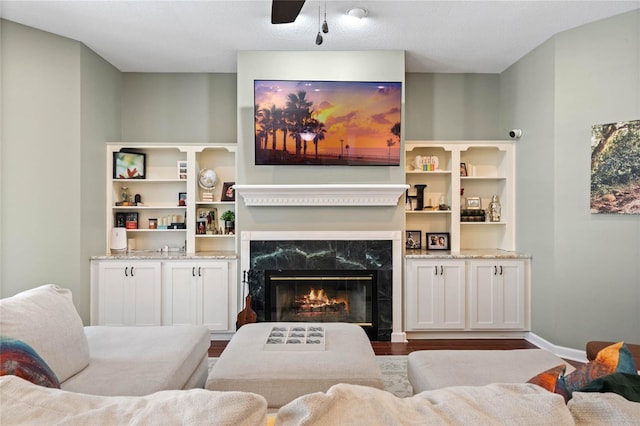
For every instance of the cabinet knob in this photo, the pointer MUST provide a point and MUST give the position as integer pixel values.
(126, 271)
(435, 270)
(495, 270)
(199, 271)
(132, 271)
(193, 271)
(500, 269)
(441, 270)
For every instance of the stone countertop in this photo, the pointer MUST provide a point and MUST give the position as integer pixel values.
(158, 255)
(465, 254)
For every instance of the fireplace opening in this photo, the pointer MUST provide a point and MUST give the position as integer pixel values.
(322, 296)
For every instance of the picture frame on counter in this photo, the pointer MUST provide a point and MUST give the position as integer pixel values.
(438, 241)
(413, 240)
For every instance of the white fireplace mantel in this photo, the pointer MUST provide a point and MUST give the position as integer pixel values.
(322, 194)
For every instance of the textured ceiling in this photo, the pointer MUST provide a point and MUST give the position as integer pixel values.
(472, 36)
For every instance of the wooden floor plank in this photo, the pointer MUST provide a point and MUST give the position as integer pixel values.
(389, 348)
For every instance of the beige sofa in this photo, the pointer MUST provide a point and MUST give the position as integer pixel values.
(343, 404)
(101, 360)
(122, 375)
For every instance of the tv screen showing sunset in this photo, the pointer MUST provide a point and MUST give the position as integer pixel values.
(327, 122)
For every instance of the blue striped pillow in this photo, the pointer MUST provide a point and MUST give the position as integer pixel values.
(19, 359)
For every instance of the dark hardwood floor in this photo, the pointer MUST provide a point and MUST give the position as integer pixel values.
(388, 348)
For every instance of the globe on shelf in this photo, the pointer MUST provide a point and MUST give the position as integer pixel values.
(207, 179)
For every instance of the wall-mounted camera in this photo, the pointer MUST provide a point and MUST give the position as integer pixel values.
(515, 133)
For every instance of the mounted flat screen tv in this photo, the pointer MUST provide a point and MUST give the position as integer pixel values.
(354, 123)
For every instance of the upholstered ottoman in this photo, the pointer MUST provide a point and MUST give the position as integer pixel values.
(435, 369)
(283, 375)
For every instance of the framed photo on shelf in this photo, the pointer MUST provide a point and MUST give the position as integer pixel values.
(132, 220)
(463, 169)
(182, 198)
(413, 240)
(182, 169)
(228, 193)
(129, 165)
(121, 220)
(473, 203)
(438, 241)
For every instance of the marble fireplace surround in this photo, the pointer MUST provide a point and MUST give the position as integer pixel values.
(342, 248)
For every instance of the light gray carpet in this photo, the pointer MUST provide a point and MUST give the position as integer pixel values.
(394, 374)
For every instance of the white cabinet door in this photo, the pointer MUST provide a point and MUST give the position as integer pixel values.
(112, 286)
(179, 293)
(128, 293)
(435, 294)
(198, 293)
(213, 305)
(497, 294)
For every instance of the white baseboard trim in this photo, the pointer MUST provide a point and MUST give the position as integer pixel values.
(561, 351)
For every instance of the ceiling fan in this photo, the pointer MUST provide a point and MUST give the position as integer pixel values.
(285, 11)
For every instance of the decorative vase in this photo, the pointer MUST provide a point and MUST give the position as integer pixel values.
(124, 194)
(495, 209)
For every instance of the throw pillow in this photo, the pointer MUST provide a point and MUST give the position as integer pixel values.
(551, 381)
(46, 319)
(19, 359)
(612, 359)
(624, 384)
(615, 358)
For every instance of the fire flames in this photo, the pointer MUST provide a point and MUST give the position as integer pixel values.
(320, 300)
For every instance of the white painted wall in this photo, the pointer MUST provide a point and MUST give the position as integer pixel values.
(326, 65)
(51, 122)
(586, 275)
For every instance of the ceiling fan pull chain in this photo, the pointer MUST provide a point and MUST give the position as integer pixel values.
(325, 25)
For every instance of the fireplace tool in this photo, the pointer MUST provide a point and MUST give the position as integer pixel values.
(247, 315)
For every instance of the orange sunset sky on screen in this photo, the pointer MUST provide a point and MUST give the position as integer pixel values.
(361, 114)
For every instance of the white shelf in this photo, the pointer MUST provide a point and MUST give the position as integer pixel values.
(483, 223)
(131, 181)
(152, 207)
(427, 211)
(162, 187)
(491, 165)
(217, 203)
(483, 178)
(155, 230)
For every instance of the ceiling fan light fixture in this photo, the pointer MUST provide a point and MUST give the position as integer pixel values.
(357, 12)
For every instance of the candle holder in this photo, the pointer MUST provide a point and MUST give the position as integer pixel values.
(420, 196)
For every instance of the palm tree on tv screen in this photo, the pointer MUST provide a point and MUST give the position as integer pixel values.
(298, 109)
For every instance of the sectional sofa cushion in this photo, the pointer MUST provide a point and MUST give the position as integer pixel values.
(497, 403)
(133, 357)
(441, 368)
(46, 319)
(25, 403)
(19, 359)
(603, 409)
